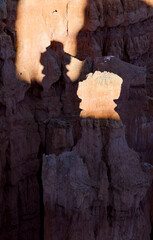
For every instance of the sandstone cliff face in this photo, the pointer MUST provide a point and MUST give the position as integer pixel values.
(91, 178)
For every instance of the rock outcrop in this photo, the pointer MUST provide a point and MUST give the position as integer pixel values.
(98, 190)
(104, 166)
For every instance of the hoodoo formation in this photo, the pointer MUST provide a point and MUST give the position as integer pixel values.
(76, 120)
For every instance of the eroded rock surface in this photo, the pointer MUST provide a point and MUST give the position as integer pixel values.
(98, 190)
(58, 43)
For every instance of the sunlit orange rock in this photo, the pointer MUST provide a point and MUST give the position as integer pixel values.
(149, 2)
(99, 188)
(74, 68)
(97, 93)
(38, 23)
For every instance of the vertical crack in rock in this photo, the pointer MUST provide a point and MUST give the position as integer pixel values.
(122, 3)
(67, 17)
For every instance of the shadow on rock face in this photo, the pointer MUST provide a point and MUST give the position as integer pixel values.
(94, 186)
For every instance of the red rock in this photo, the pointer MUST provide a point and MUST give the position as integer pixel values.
(108, 194)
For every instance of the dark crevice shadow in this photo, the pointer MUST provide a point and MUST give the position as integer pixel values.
(36, 90)
(62, 87)
(151, 235)
(56, 50)
(39, 177)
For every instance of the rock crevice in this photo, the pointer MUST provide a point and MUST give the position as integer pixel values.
(96, 173)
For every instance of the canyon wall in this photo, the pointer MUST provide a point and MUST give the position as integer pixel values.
(63, 176)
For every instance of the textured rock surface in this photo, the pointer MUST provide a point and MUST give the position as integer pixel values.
(98, 190)
(97, 94)
(40, 112)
